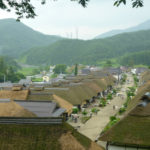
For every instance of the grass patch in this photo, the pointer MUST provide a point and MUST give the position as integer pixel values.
(27, 71)
(37, 79)
(113, 121)
(84, 119)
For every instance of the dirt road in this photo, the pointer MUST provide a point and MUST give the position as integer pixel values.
(93, 127)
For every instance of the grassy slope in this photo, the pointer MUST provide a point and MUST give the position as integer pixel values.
(89, 52)
(36, 137)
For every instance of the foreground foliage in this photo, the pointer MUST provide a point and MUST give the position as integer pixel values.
(8, 70)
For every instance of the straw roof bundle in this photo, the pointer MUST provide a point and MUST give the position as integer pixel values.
(11, 109)
(16, 88)
(20, 95)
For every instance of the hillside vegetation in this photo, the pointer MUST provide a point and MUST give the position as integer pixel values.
(17, 38)
(136, 58)
(89, 52)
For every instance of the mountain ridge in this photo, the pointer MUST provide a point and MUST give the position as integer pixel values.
(142, 26)
(70, 52)
(18, 38)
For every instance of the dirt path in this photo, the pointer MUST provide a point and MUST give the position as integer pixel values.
(93, 127)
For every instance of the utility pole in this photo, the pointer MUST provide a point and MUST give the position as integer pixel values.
(4, 78)
(77, 33)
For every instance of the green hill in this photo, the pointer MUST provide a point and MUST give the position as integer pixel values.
(89, 52)
(16, 38)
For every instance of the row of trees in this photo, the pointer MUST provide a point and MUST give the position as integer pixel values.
(61, 68)
(8, 70)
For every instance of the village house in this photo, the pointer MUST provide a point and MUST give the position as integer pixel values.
(133, 131)
(42, 108)
(139, 70)
(45, 78)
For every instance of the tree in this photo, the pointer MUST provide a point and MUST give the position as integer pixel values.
(24, 8)
(35, 71)
(60, 68)
(108, 63)
(8, 70)
(76, 70)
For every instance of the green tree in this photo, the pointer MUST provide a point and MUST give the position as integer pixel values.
(76, 70)
(35, 71)
(24, 8)
(2, 65)
(8, 70)
(60, 68)
(109, 63)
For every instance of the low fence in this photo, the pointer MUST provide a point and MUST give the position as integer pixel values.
(36, 121)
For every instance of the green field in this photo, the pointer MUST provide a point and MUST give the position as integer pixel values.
(27, 71)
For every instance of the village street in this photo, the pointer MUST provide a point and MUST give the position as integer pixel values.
(93, 127)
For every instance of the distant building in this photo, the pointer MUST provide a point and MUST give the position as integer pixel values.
(86, 71)
(46, 78)
(138, 71)
(25, 81)
(114, 71)
(61, 76)
(6, 85)
(51, 69)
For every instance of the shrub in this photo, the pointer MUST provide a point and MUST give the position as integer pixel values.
(114, 91)
(112, 118)
(94, 110)
(103, 103)
(84, 113)
(75, 110)
(122, 110)
(109, 96)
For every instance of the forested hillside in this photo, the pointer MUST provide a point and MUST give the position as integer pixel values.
(136, 58)
(89, 52)
(16, 38)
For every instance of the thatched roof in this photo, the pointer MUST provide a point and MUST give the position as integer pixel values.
(77, 93)
(134, 129)
(16, 88)
(63, 104)
(40, 95)
(21, 95)
(11, 109)
(145, 76)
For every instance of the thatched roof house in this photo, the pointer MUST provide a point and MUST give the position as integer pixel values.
(133, 131)
(41, 108)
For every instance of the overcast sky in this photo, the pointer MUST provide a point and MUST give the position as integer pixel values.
(66, 17)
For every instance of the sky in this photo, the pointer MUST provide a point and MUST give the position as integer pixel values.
(69, 19)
